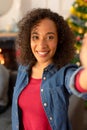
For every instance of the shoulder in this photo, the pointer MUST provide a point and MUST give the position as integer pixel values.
(68, 67)
(66, 70)
(23, 68)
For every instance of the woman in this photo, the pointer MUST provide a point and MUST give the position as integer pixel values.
(44, 83)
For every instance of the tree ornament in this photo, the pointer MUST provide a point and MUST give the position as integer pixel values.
(78, 38)
(80, 31)
(76, 5)
(78, 63)
(77, 51)
(85, 0)
(86, 24)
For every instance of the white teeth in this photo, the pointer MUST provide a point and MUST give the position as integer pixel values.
(42, 53)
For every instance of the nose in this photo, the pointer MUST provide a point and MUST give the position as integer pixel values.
(43, 43)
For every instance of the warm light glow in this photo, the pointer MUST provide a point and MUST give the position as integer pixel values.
(0, 50)
(2, 60)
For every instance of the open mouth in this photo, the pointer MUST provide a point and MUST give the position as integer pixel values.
(42, 53)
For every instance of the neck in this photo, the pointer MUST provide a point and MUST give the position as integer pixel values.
(41, 66)
(37, 70)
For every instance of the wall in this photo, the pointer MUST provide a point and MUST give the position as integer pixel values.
(60, 6)
(11, 17)
(20, 7)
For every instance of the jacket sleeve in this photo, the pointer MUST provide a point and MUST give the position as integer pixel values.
(73, 88)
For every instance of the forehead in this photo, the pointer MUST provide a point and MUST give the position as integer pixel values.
(44, 24)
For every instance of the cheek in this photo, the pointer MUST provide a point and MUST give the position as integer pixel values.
(55, 44)
(32, 46)
(54, 47)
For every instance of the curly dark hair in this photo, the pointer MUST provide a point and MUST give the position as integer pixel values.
(65, 49)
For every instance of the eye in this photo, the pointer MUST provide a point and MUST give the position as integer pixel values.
(50, 37)
(35, 37)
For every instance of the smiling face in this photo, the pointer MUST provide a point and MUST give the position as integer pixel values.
(44, 41)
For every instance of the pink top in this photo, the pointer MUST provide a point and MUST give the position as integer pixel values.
(34, 117)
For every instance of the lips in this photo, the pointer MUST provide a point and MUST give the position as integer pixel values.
(42, 53)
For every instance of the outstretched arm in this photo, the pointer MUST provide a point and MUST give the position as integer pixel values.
(83, 59)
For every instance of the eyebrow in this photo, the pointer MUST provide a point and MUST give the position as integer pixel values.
(34, 32)
(51, 33)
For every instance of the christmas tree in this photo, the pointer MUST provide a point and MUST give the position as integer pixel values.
(78, 23)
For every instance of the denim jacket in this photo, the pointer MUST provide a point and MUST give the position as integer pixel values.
(56, 87)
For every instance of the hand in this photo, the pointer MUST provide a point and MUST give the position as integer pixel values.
(83, 52)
